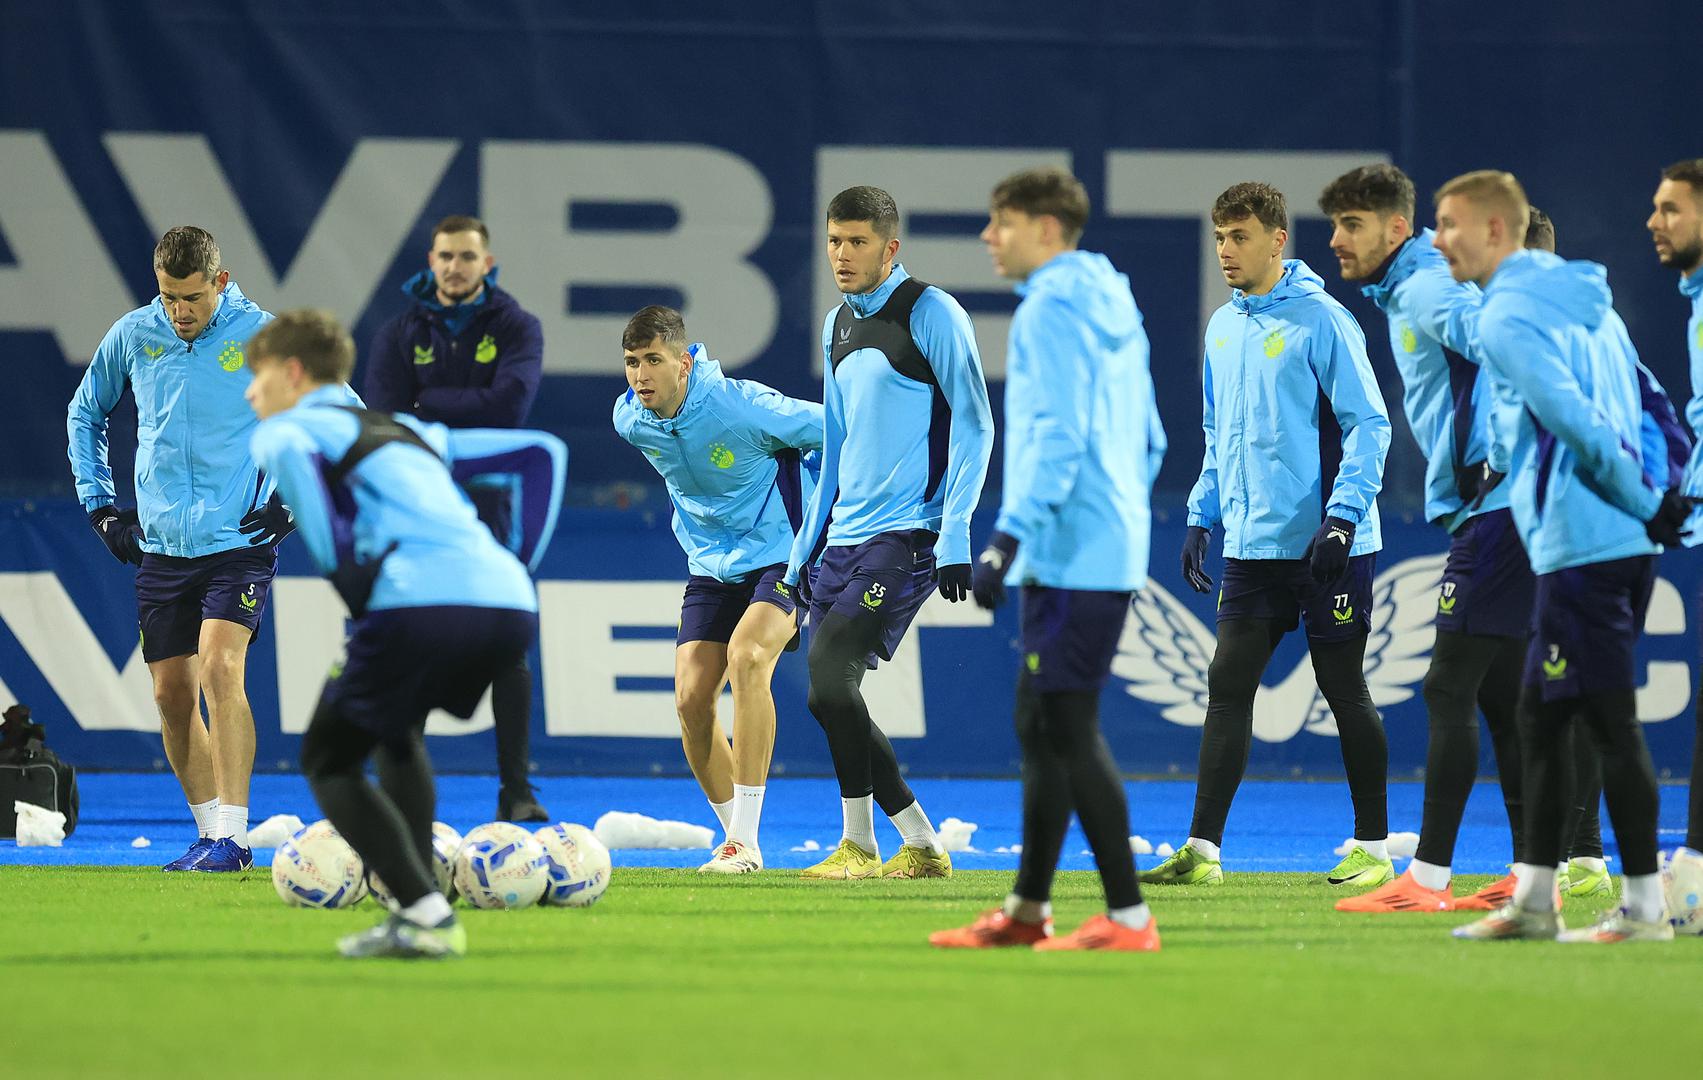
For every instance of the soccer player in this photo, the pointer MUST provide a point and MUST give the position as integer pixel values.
(440, 608)
(1083, 443)
(1484, 605)
(1296, 435)
(1676, 227)
(729, 450)
(1591, 521)
(204, 534)
(466, 354)
(907, 435)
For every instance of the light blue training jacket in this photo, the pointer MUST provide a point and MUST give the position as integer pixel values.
(444, 556)
(1548, 332)
(1432, 321)
(194, 477)
(1083, 441)
(1296, 429)
(731, 458)
(1691, 285)
(878, 428)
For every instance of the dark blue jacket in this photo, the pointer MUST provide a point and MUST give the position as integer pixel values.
(485, 375)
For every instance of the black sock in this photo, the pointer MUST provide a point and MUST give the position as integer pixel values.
(511, 707)
(1582, 835)
(405, 776)
(1499, 700)
(334, 752)
(1694, 826)
(1628, 777)
(1063, 735)
(1340, 669)
(1546, 733)
(1453, 684)
(864, 760)
(1244, 648)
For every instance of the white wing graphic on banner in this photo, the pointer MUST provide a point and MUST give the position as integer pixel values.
(1165, 650)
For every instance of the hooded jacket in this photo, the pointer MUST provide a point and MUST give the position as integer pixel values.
(1083, 441)
(731, 458)
(1432, 321)
(1549, 332)
(194, 477)
(1296, 428)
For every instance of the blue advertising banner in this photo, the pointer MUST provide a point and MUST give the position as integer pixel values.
(609, 591)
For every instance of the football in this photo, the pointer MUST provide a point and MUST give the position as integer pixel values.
(1682, 885)
(317, 868)
(501, 866)
(578, 865)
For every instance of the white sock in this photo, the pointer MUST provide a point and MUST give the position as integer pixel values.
(747, 813)
(1586, 862)
(1028, 911)
(1430, 875)
(1206, 848)
(1641, 894)
(428, 911)
(1534, 887)
(859, 828)
(1378, 849)
(724, 814)
(1136, 918)
(206, 816)
(915, 828)
(233, 823)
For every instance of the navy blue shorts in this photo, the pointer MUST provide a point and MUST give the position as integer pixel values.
(174, 595)
(401, 663)
(886, 577)
(1283, 590)
(1488, 585)
(1585, 628)
(1070, 636)
(712, 609)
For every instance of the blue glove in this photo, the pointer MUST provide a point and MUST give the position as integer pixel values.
(354, 580)
(1328, 549)
(267, 523)
(988, 580)
(120, 531)
(1194, 559)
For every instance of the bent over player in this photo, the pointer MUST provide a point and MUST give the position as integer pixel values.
(729, 450)
(440, 608)
(907, 436)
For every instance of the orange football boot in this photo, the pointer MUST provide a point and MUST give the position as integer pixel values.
(994, 929)
(1401, 895)
(1102, 934)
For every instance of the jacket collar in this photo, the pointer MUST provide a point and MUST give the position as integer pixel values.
(866, 304)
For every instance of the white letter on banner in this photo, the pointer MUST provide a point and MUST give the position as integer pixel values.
(724, 209)
(925, 180)
(54, 244)
(310, 620)
(36, 608)
(1184, 183)
(1666, 692)
(370, 210)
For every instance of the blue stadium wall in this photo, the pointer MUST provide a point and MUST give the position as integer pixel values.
(664, 153)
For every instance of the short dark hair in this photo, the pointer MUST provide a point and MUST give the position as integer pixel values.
(650, 323)
(865, 203)
(1540, 231)
(1254, 200)
(462, 223)
(311, 335)
(1689, 171)
(1046, 190)
(1382, 188)
(185, 251)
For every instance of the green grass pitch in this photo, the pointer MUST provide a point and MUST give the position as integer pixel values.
(129, 972)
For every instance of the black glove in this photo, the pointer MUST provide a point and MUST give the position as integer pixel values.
(954, 581)
(1194, 559)
(1468, 480)
(120, 531)
(1328, 549)
(1667, 528)
(268, 523)
(1488, 483)
(987, 581)
(354, 580)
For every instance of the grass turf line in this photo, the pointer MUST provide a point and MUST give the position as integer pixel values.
(127, 971)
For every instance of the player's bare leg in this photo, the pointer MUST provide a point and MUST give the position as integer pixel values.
(753, 651)
(177, 697)
(700, 671)
(230, 725)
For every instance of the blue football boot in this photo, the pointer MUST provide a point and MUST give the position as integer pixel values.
(189, 858)
(224, 857)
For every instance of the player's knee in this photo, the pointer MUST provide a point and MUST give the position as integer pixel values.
(1227, 678)
(696, 708)
(222, 678)
(748, 664)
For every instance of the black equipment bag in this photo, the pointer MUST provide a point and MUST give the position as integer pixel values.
(30, 772)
